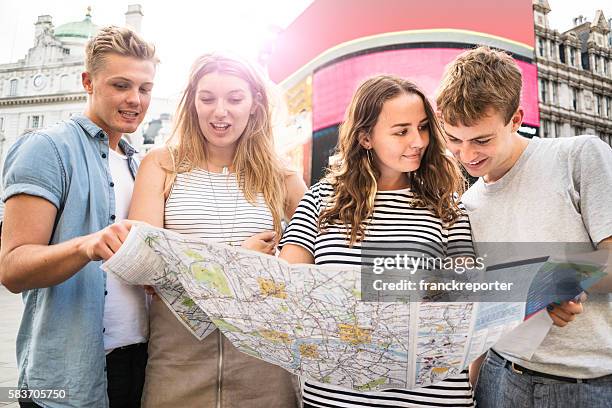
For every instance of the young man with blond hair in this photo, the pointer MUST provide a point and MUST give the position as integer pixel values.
(538, 190)
(67, 190)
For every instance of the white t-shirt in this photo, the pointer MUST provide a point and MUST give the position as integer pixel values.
(559, 190)
(125, 307)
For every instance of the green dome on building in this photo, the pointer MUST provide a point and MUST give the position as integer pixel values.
(78, 29)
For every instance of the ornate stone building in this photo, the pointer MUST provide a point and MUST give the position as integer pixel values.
(45, 87)
(575, 76)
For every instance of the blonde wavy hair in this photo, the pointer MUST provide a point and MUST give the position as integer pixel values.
(353, 175)
(257, 166)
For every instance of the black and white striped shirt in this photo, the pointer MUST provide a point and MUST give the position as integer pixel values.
(395, 220)
(212, 206)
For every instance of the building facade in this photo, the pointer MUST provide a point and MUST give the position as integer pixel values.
(45, 86)
(574, 76)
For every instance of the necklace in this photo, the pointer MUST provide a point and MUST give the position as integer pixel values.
(224, 168)
(226, 237)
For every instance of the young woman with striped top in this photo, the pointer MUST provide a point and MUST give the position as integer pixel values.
(218, 179)
(391, 181)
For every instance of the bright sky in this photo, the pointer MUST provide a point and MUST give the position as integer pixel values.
(563, 11)
(180, 29)
(183, 29)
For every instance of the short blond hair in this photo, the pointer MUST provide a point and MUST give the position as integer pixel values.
(116, 40)
(475, 82)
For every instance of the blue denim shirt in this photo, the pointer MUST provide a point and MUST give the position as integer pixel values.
(60, 340)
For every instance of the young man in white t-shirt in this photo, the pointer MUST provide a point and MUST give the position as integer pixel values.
(538, 190)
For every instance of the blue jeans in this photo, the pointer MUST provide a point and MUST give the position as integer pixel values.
(499, 386)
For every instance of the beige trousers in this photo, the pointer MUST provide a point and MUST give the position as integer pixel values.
(184, 372)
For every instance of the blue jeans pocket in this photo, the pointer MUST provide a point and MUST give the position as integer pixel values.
(487, 385)
(494, 360)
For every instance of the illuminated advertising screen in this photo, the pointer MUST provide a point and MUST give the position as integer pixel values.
(334, 85)
(339, 43)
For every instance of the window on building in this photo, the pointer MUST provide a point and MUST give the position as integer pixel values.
(557, 129)
(545, 128)
(35, 121)
(555, 95)
(578, 130)
(598, 104)
(605, 66)
(553, 51)
(608, 107)
(544, 90)
(64, 82)
(13, 87)
(572, 58)
(561, 52)
(574, 98)
(540, 47)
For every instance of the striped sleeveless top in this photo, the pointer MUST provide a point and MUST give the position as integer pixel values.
(212, 206)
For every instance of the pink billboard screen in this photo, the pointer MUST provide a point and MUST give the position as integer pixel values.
(328, 23)
(334, 85)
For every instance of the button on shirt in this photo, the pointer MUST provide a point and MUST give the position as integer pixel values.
(60, 340)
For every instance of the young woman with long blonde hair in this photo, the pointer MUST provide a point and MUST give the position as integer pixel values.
(391, 182)
(220, 179)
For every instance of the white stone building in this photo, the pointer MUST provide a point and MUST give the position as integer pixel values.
(575, 76)
(45, 86)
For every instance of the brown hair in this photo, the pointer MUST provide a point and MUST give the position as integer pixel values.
(353, 176)
(476, 81)
(258, 168)
(116, 40)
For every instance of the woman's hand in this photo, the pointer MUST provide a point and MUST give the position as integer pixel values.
(149, 290)
(263, 242)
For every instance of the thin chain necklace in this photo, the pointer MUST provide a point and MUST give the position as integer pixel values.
(227, 238)
(224, 169)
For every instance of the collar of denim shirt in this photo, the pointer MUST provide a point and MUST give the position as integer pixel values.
(96, 131)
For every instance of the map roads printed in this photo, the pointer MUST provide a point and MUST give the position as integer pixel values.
(310, 319)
